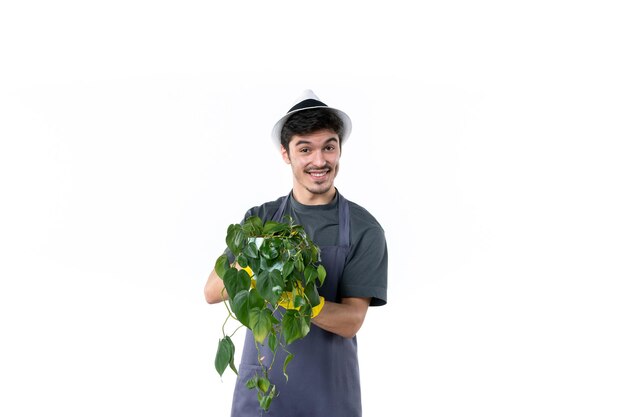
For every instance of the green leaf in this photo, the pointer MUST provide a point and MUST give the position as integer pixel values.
(254, 264)
(235, 281)
(263, 384)
(221, 265)
(252, 382)
(272, 342)
(225, 355)
(311, 293)
(270, 285)
(295, 326)
(321, 274)
(253, 226)
(251, 250)
(260, 323)
(242, 260)
(299, 263)
(288, 245)
(298, 301)
(268, 264)
(285, 363)
(269, 249)
(288, 268)
(244, 279)
(290, 282)
(235, 238)
(270, 227)
(245, 301)
(310, 274)
(306, 310)
(265, 401)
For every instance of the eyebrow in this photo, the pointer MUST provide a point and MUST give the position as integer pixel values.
(306, 142)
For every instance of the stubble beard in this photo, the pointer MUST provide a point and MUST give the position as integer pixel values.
(323, 189)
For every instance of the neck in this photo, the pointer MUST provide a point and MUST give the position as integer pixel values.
(310, 199)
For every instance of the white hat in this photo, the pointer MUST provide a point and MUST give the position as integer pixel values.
(309, 100)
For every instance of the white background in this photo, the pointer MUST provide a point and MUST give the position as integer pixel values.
(488, 141)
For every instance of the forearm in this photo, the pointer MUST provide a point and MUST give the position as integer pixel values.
(345, 318)
(214, 291)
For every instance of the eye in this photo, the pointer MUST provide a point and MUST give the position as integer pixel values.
(330, 148)
(304, 150)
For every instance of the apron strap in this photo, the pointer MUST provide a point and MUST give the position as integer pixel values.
(278, 216)
(344, 222)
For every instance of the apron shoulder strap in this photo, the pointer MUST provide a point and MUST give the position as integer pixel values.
(278, 216)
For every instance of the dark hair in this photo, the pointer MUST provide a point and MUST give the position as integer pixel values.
(309, 121)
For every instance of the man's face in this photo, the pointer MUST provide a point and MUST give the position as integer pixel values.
(314, 160)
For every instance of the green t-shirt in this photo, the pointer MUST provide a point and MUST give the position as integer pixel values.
(365, 271)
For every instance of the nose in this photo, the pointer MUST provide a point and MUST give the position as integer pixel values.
(318, 159)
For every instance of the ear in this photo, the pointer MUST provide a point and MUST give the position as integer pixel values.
(285, 154)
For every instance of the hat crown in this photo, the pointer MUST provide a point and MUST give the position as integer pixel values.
(307, 99)
(306, 95)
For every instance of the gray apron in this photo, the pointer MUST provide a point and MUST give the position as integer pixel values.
(324, 373)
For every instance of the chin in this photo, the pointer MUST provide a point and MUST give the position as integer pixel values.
(320, 189)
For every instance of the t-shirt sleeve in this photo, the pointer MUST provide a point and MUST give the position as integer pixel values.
(365, 272)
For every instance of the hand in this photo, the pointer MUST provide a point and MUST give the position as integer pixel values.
(252, 278)
(288, 301)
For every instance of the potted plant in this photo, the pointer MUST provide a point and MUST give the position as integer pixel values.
(272, 290)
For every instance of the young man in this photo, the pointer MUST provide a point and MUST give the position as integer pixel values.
(324, 374)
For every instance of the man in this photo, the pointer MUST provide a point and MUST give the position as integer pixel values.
(324, 374)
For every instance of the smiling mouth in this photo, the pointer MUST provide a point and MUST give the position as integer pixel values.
(318, 174)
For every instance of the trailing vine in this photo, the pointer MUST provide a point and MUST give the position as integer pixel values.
(272, 290)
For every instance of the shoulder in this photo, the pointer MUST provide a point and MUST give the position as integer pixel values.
(361, 218)
(265, 210)
(365, 230)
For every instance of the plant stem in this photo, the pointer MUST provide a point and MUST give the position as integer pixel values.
(230, 314)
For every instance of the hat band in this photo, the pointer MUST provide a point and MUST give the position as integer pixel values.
(309, 102)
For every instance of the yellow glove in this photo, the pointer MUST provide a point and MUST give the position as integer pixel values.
(252, 278)
(287, 301)
(287, 297)
(318, 308)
